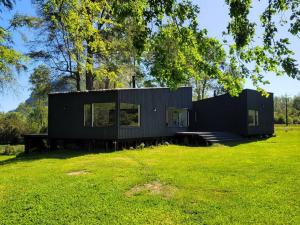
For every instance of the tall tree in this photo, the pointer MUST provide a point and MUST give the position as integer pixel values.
(40, 80)
(274, 54)
(213, 53)
(10, 59)
(98, 40)
(296, 103)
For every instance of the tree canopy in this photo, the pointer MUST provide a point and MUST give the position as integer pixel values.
(10, 59)
(101, 44)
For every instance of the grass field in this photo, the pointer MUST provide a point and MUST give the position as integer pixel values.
(244, 183)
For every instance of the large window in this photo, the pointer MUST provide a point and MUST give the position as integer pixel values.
(99, 114)
(87, 115)
(177, 117)
(103, 114)
(253, 118)
(129, 115)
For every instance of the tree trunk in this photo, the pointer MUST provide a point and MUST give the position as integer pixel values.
(78, 88)
(78, 74)
(106, 83)
(203, 88)
(89, 76)
(89, 71)
(198, 90)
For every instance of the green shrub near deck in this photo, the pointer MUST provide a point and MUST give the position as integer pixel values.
(246, 183)
(11, 149)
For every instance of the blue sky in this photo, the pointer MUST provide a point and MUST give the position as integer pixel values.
(213, 16)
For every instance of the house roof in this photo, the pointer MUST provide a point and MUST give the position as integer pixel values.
(111, 90)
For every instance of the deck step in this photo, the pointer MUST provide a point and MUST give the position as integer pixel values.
(213, 136)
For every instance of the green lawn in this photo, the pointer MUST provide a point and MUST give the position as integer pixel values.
(249, 183)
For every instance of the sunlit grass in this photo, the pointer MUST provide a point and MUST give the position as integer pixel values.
(242, 183)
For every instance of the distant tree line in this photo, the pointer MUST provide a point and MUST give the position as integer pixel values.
(293, 109)
(32, 115)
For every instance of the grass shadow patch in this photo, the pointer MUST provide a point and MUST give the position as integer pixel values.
(77, 172)
(152, 188)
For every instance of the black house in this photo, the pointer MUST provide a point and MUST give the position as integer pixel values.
(122, 115)
(119, 114)
(249, 114)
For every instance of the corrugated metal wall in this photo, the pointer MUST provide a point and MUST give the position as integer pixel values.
(154, 103)
(66, 113)
(265, 106)
(230, 114)
(221, 113)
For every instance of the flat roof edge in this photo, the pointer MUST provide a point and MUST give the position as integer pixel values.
(244, 90)
(112, 90)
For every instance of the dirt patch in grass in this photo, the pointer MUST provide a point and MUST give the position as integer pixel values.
(152, 188)
(77, 173)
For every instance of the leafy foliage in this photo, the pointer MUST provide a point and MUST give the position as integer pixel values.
(11, 149)
(40, 80)
(7, 4)
(10, 59)
(12, 127)
(27, 118)
(293, 109)
(274, 54)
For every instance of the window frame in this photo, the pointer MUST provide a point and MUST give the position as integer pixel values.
(139, 115)
(90, 113)
(93, 116)
(255, 118)
(178, 109)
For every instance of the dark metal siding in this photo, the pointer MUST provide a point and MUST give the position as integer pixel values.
(153, 124)
(230, 114)
(266, 112)
(221, 113)
(66, 115)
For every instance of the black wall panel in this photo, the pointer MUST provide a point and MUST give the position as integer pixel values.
(153, 110)
(221, 113)
(66, 113)
(230, 114)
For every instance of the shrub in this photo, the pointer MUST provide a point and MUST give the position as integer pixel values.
(296, 120)
(11, 149)
(279, 119)
(12, 126)
(141, 146)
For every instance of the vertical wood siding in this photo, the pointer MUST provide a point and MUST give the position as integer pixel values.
(153, 123)
(226, 113)
(66, 113)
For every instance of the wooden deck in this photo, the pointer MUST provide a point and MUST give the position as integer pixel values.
(211, 137)
(35, 140)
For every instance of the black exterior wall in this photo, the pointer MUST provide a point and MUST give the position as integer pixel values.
(265, 106)
(221, 113)
(154, 103)
(230, 114)
(66, 115)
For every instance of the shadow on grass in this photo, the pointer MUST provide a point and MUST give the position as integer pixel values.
(71, 153)
(232, 143)
(246, 141)
(50, 154)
